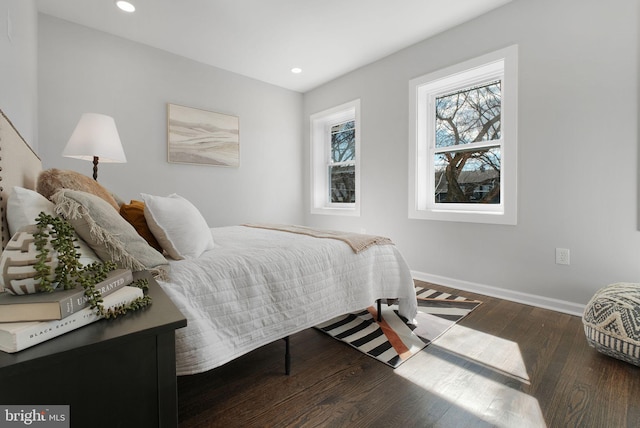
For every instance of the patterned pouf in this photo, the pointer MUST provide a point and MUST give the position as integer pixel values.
(612, 321)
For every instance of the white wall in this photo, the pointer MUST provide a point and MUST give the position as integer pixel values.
(578, 136)
(18, 66)
(578, 156)
(83, 70)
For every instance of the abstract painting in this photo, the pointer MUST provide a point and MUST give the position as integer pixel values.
(202, 137)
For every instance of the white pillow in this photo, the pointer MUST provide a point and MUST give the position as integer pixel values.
(177, 225)
(24, 206)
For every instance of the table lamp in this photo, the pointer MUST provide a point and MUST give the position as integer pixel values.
(95, 138)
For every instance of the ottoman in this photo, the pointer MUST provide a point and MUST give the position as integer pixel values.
(611, 321)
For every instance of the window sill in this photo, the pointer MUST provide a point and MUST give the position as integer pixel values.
(350, 211)
(465, 216)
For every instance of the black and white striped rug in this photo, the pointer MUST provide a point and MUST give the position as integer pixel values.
(394, 340)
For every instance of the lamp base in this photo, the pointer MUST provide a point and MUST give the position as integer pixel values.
(95, 168)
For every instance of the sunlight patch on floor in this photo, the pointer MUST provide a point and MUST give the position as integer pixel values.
(482, 378)
(485, 349)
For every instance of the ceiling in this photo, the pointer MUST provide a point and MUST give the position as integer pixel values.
(264, 39)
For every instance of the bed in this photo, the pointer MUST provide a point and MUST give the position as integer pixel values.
(248, 285)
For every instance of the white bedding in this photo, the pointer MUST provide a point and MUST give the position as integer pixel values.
(259, 285)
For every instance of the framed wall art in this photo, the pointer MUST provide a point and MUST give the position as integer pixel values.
(202, 137)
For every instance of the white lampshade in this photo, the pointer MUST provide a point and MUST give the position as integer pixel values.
(95, 136)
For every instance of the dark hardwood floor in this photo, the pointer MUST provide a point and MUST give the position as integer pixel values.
(506, 364)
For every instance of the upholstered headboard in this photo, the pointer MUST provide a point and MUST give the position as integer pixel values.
(19, 166)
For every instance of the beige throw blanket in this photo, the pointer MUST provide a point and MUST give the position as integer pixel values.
(357, 241)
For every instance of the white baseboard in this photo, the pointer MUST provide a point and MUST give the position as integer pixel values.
(514, 296)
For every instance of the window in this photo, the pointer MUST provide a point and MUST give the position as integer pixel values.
(335, 146)
(463, 141)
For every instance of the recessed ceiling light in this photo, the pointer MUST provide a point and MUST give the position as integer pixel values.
(126, 6)
(296, 70)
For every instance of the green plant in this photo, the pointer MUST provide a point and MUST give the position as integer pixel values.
(70, 273)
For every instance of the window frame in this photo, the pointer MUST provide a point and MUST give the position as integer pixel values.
(320, 147)
(423, 90)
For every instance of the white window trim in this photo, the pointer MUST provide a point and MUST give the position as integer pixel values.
(320, 151)
(421, 174)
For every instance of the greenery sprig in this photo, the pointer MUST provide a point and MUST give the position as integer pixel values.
(70, 273)
(139, 303)
(62, 241)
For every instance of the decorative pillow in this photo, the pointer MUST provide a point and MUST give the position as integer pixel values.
(106, 232)
(24, 206)
(18, 259)
(177, 225)
(134, 214)
(52, 180)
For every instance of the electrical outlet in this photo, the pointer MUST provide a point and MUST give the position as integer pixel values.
(562, 256)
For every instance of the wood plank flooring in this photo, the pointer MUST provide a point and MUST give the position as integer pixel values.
(506, 365)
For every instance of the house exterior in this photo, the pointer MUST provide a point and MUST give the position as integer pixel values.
(476, 185)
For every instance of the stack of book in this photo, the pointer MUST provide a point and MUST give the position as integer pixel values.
(27, 320)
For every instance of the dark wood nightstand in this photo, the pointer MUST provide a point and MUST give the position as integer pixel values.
(112, 373)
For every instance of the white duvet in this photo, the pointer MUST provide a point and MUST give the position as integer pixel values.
(259, 285)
